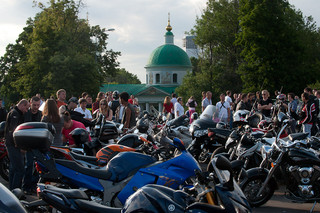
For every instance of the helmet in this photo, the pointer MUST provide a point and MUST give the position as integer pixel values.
(143, 125)
(281, 97)
(79, 135)
(221, 125)
(239, 117)
(194, 116)
(2, 126)
(115, 94)
(263, 124)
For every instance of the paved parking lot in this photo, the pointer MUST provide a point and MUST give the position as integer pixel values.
(278, 204)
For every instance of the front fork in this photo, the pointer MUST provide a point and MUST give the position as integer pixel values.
(271, 172)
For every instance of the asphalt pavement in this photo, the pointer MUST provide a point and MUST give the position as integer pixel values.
(277, 204)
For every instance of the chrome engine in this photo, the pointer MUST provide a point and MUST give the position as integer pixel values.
(304, 177)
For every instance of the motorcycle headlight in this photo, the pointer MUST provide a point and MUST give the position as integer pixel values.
(199, 133)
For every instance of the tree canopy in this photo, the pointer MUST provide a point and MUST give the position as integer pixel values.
(248, 44)
(57, 49)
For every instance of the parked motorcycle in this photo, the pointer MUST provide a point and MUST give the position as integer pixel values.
(122, 175)
(207, 195)
(202, 146)
(292, 163)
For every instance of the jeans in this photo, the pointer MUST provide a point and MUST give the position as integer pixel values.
(30, 179)
(306, 128)
(16, 168)
(292, 128)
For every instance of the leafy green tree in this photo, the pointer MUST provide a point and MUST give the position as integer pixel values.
(275, 42)
(215, 34)
(122, 76)
(59, 50)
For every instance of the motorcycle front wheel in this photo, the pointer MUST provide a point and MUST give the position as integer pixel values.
(4, 168)
(251, 188)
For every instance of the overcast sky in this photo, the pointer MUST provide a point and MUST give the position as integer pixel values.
(139, 24)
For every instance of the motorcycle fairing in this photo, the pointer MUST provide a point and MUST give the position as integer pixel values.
(78, 179)
(171, 173)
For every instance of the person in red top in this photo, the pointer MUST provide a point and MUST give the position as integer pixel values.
(130, 100)
(61, 97)
(68, 126)
(167, 105)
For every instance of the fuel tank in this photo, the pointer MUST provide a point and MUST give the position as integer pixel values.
(300, 157)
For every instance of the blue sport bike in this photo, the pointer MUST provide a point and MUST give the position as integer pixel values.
(123, 175)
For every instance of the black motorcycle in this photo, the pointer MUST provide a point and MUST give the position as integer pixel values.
(202, 145)
(291, 163)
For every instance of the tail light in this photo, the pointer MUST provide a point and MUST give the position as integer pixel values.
(38, 168)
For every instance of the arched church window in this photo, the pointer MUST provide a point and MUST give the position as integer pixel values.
(175, 78)
(157, 78)
(147, 79)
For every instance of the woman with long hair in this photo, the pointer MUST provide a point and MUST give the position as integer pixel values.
(167, 105)
(50, 114)
(105, 110)
(95, 105)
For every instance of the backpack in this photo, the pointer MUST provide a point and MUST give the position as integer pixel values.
(114, 106)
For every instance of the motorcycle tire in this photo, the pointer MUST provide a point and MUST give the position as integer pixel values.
(4, 168)
(252, 186)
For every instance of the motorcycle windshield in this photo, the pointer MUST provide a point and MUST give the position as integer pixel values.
(208, 113)
(180, 121)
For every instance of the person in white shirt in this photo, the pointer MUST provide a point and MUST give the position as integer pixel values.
(223, 109)
(178, 108)
(229, 100)
(83, 110)
(207, 100)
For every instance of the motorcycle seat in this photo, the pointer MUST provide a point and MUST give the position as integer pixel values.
(298, 136)
(94, 207)
(90, 159)
(97, 173)
(69, 193)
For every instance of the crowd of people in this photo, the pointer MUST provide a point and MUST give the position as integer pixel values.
(82, 112)
(304, 111)
(65, 116)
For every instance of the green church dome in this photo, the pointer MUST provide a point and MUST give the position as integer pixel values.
(168, 55)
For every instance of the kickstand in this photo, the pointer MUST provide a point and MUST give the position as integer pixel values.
(314, 205)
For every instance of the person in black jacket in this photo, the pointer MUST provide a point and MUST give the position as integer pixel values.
(307, 113)
(3, 112)
(30, 180)
(15, 118)
(314, 100)
(77, 116)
